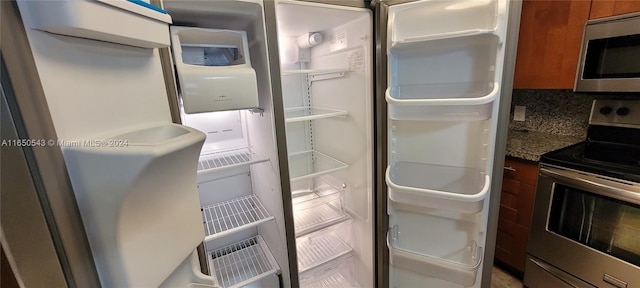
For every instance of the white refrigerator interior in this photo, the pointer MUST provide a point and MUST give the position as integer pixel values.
(222, 45)
(444, 70)
(326, 64)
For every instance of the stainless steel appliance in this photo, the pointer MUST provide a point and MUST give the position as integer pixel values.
(608, 59)
(586, 218)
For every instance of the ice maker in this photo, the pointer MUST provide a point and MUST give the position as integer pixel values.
(214, 69)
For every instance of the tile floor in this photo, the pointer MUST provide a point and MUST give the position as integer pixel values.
(502, 279)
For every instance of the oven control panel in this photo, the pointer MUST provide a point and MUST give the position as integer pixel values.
(624, 113)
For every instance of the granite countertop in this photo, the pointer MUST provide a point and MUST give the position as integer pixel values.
(532, 144)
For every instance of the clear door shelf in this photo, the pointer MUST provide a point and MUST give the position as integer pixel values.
(310, 164)
(317, 249)
(215, 162)
(449, 101)
(434, 186)
(457, 266)
(228, 217)
(441, 19)
(242, 263)
(310, 113)
(422, 38)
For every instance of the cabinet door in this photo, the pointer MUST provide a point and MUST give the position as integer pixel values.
(549, 43)
(605, 8)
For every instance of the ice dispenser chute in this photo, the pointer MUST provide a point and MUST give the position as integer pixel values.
(214, 69)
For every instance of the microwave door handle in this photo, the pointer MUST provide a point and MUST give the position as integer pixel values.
(613, 189)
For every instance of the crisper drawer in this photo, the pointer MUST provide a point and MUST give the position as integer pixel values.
(452, 253)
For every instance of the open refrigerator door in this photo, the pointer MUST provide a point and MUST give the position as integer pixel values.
(444, 67)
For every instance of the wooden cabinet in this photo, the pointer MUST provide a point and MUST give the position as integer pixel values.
(606, 8)
(516, 206)
(549, 43)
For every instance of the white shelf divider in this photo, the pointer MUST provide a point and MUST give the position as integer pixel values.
(311, 113)
(215, 162)
(242, 263)
(317, 249)
(228, 217)
(310, 164)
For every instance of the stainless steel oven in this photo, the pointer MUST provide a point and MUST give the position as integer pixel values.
(609, 59)
(585, 229)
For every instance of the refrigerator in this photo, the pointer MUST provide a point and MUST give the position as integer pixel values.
(322, 144)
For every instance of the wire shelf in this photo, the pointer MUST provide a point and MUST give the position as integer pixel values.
(228, 217)
(228, 159)
(316, 250)
(242, 263)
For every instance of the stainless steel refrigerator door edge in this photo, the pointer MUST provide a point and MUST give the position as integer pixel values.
(511, 44)
(46, 163)
(380, 146)
(281, 137)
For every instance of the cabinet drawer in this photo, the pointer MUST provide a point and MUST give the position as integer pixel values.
(521, 170)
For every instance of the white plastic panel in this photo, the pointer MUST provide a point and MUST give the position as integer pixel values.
(423, 20)
(204, 86)
(116, 21)
(131, 215)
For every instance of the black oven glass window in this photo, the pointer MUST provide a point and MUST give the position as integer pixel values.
(617, 57)
(602, 223)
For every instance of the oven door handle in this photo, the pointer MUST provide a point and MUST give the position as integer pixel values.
(555, 272)
(618, 189)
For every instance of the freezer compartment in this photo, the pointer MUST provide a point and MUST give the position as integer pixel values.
(132, 23)
(470, 59)
(452, 253)
(442, 102)
(311, 164)
(321, 248)
(338, 274)
(242, 263)
(435, 186)
(318, 208)
(228, 217)
(424, 20)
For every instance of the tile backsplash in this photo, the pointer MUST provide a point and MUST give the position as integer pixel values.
(561, 112)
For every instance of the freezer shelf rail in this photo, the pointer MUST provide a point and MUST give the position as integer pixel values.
(242, 263)
(221, 219)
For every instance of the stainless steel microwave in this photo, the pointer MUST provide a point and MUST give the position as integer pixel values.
(610, 55)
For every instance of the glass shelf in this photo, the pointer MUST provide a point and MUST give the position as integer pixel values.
(311, 164)
(242, 263)
(313, 71)
(310, 113)
(228, 217)
(320, 248)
